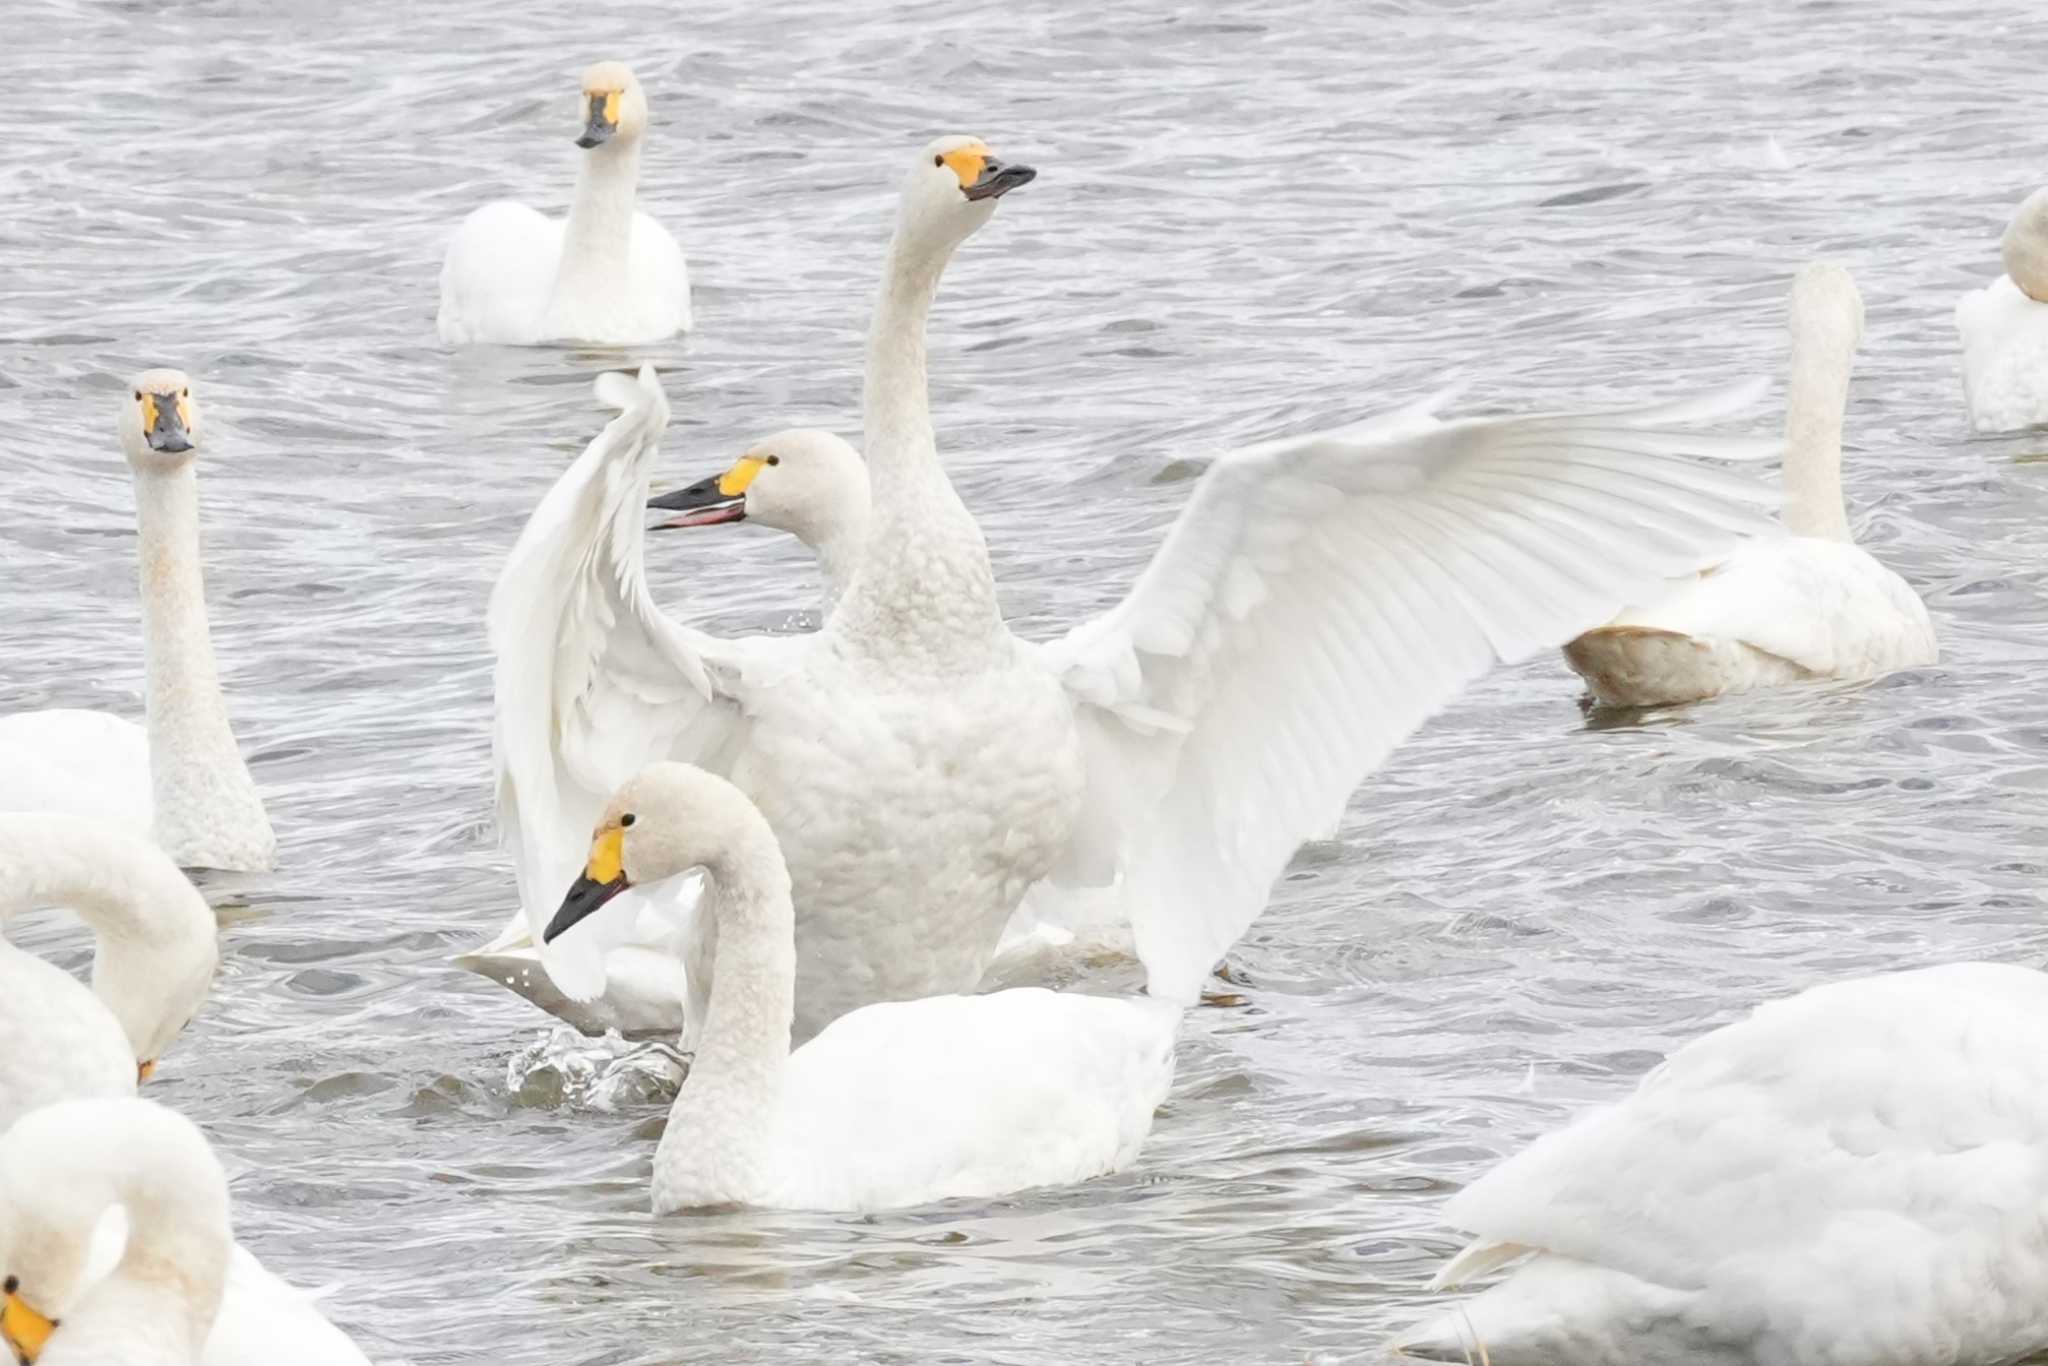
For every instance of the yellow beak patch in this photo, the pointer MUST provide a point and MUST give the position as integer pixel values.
(968, 162)
(26, 1331)
(607, 857)
(149, 412)
(185, 411)
(735, 480)
(144, 1071)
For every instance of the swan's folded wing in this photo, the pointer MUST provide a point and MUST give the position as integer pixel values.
(1322, 596)
(592, 681)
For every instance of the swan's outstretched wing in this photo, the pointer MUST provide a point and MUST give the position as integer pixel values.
(592, 680)
(1322, 596)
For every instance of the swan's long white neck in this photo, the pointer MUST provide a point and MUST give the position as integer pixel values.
(130, 897)
(207, 811)
(924, 589)
(1816, 397)
(717, 1147)
(839, 551)
(597, 241)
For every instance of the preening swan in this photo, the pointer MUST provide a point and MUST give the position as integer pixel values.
(64, 1167)
(152, 969)
(1803, 604)
(2004, 328)
(892, 1105)
(1856, 1174)
(1317, 600)
(181, 780)
(608, 274)
(152, 964)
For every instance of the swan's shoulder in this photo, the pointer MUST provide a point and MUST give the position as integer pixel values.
(497, 275)
(1915, 1103)
(913, 1101)
(57, 1040)
(2005, 356)
(661, 275)
(83, 762)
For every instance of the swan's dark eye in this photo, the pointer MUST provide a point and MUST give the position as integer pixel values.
(939, 160)
(184, 393)
(625, 820)
(13, 1284)
(775, 460)
(138, 396)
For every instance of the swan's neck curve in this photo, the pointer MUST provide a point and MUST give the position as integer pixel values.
(207, 812)
(924, 592)
(1816, 397)
(718, 1148)
(839, 552)
(597, 240)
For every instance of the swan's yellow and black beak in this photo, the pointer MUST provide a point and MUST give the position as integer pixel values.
(26, 1331)
(166, 421)
(144, 1071)
(604, 116)
(604, 877)
(721, 498)
(982, 176)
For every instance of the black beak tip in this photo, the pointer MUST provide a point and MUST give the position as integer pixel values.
(173, 442)
(587, 141)
(583, 898)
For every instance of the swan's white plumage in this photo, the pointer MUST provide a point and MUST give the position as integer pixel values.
(607, 274)
(60, 1041)
(1797, 604)
(1320, 598)
(83, 763)
(2005, 357)
(1857, 1174)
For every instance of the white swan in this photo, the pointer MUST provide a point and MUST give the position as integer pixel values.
(1856, 1174)
(152, 968)
(892, 1105)
(2004, 329)
(1318, 599)
(61, 1169)
(608, 274)
(152, 965)
(1803, 604)
(182, 779)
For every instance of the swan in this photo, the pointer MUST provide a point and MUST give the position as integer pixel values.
(1806, 603)
(61, 1169)
(153, 961)
(153, 967)
(896, 1104)
(1319, 597)
(2004, 328)
(1853, 1174)
(182, 779)
(607, 275)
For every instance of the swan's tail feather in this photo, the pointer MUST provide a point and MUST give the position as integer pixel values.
(1555, 1309)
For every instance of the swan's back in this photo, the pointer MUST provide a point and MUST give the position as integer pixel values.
(915, 1101)
(84, 763)
(2005, 357)
(1856, 1174)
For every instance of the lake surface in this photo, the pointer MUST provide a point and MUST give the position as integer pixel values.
(1249, 220)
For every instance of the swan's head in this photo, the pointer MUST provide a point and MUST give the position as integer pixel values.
(2024, 248)
(668, 819)
(159, 420)
(61, 1168)
(952, 189)
(804, 481)
(612, 107)
(155, 988)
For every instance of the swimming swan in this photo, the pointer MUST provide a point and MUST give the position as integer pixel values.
(582, 538)
(1802, 604)
(181, 780)
(896, 1104)
(1317, 600)
(1855, 1174)
(152, 969)
(2004, 328)
(607, 275)
(153, 961)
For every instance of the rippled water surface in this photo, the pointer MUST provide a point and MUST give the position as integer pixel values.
(1249, 218)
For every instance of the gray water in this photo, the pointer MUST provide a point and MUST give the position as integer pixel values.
(1250, 219)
